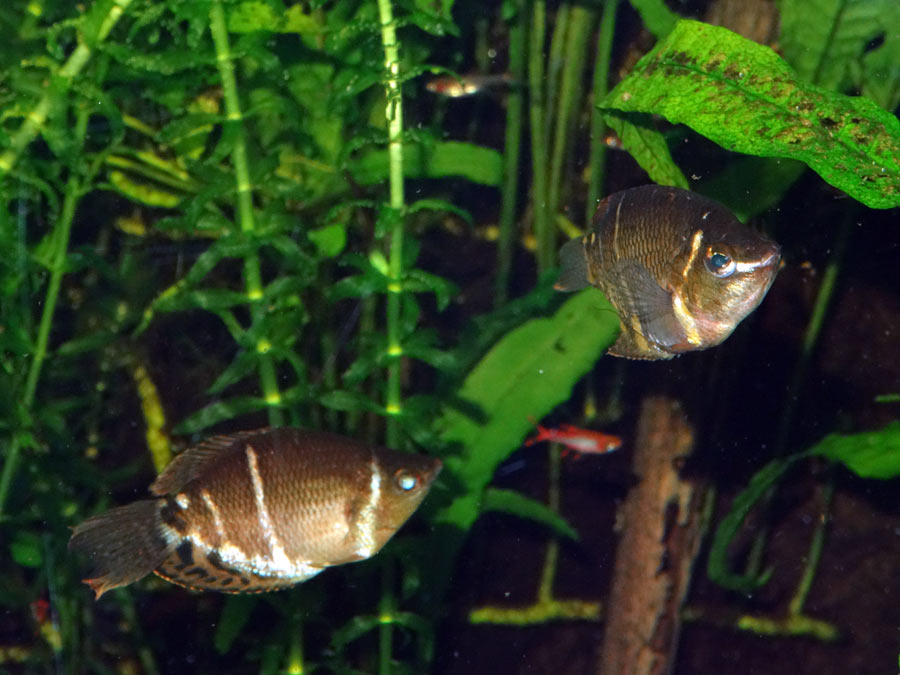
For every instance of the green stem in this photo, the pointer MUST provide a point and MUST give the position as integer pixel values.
(542, 231)
(814, 556)
(581, 20)
(60, 246)
(555, 60)
(394, 113)
(393, 402)
(252, 274)
(551, 558)
(35, 120)
(512, 145)
(597, 162)
(813, 328)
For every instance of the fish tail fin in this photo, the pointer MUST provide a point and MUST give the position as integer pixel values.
(123, 544)
(573, 275)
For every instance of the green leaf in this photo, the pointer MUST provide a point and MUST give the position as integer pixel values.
(526, 374)
(871, 454)
(517, 504)
(718, 567)
(341, 399)
(438, 160)
(821, 39)
(648, 147)
(887, 398)
(745, 98)
(329, 240)
(220, 411)
(417, 281)
(236, 611)
(26, 549)
(439, 205)
(659, 19)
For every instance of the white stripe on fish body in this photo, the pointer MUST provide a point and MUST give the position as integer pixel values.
(278, 559)
(364, 533)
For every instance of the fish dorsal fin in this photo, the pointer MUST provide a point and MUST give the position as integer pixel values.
(642, 297)
(191, 463)
(573, 263)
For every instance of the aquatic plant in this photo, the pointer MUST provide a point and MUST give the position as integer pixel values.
(227, 214)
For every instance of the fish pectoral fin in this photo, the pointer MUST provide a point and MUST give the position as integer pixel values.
(648, 305)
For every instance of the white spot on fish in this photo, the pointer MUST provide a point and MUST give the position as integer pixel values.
(182, 500)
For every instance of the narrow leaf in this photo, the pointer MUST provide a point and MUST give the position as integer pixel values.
(517, 504)
(648, 147)
(659, 19)
(718, 567)
(745, 98)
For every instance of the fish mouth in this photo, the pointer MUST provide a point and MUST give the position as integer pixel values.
(769, 261)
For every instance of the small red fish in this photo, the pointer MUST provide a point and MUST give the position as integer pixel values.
(453, 86)
(584, 441)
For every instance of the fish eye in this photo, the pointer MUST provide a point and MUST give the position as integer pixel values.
(720, 264)
(404, 480)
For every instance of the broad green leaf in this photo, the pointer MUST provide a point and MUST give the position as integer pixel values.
(887, 398)
(822, 38)
(745, 98)
(659, 19)
(871, 454)
(517, 504)
(526, 374)
(236, 611)
(648, 147)
(718, 567)
(447, 158)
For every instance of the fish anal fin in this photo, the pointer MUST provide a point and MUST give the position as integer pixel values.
(573, 262)
(633, 345)
(200, 570)
(191, 463)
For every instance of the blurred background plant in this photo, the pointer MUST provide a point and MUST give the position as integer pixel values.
(226, 214)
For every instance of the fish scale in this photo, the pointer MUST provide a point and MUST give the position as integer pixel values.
(679, 269)
(257, 511)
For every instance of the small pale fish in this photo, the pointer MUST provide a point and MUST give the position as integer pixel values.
(681, 271)
(453, 86)
(583, 441)
(257, 511)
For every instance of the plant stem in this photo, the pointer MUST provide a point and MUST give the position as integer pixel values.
(512, 146)
(60, 246)
(581, 21)
(597, 162)
(542, 231)
(393, 403)
(252, 274)
(813, 328)
(394, 114)
(795, 607)
(35, 120)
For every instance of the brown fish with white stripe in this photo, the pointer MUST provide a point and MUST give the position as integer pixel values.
(679, 268)
(257, 511)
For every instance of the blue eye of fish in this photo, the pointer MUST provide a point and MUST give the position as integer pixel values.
(720, 264)
(405, 481)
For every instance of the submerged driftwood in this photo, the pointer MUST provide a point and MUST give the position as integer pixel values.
(662, 521)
